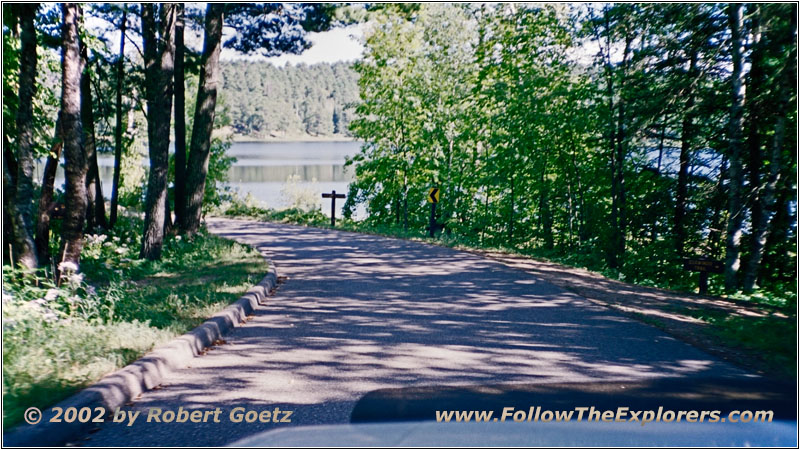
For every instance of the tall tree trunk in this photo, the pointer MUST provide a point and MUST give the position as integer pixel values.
(405, 206)
(687, 136)
(9, 172)
(754, 113)
(75, 164)
(767, 201)
(99, 203)
(717, 223)
(735, 185)
(167, 217)
(619, 179)
(485, 222)
(118, 124)
(581, 205)
(545, 211)
(22, 207)
(159, 60)
(612, 256)
(180, 118)
(87, 120)
(397, 210)
(95, 209)
(780, 237)
(199, 151)
(766, 198)
(511, 212)
(46, 197)
(661, 144)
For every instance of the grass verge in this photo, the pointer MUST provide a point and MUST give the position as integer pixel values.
(768, 339)
(60, 339)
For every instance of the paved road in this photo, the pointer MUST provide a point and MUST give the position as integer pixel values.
(360, 313)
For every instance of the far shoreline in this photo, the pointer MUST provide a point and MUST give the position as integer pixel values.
(293, 139)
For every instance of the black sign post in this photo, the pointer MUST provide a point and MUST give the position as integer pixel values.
(333, 196)
(704, 266)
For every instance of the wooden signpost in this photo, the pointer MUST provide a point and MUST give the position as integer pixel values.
(704, 266)
(333, 196)
(433, 199)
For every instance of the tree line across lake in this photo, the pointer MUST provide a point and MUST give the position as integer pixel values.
(264, 101)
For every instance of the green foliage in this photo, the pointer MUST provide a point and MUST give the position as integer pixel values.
(782, 295)
(217, 191)
(133, 177)
(414, 114)
(765, 337)
(219, 163)
(294, 101)
(270, 29)
(541, 149)
(299, 216)
(71, 299)
(249, 207)
(10, 77)
(44, 361)
(59, 338)
(47, 98)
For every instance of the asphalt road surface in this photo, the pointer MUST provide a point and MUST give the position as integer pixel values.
(360, 313)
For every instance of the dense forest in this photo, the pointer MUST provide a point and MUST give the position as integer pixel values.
(626, 137)
(266, 101)
(101, 97)
(629, 135)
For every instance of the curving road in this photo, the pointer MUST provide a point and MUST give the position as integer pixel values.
(359, 313)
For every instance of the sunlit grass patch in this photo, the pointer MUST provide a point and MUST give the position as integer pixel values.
(769, 338)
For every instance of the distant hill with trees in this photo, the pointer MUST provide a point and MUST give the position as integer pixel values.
(265, 101)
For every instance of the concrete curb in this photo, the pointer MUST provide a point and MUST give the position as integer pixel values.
(118, 388)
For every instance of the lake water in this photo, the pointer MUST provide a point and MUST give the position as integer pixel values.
(263, 169)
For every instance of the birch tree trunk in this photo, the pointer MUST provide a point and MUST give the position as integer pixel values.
(735, 185)
(766, 198)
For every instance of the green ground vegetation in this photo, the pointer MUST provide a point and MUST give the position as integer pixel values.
(58, 339)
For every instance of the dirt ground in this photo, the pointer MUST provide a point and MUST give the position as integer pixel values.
(674, 312)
